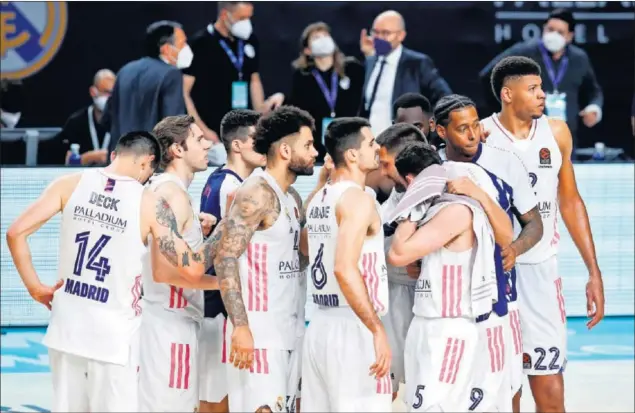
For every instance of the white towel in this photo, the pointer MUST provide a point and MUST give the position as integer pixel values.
(484, 287)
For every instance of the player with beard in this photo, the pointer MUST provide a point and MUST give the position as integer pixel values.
(108, 220)
(346, 339)
(237, 132)
(545, 147)
(173, 308)
(258, 264)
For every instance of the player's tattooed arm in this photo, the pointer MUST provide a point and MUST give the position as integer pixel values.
(163, 226)
(254, 203)
(303, 247)
(531, 233)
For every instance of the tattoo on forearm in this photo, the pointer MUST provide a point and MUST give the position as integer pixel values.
(185, 259)
(531, 232)
(250, 207)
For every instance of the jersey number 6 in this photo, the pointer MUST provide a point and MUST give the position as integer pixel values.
(318, 272)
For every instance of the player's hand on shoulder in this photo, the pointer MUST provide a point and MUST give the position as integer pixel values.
(464, 186)
(43, 294)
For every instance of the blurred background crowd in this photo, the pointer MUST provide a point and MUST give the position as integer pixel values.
(83, 73)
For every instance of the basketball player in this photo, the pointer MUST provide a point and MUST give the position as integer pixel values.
(456, 244)
(168, 374)
(258, 264)
(237, 131)
(107, 218)
(459, 128)
(346, 340)
(545, 146)
(400, 284)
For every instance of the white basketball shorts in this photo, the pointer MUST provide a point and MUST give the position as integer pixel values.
(86, 385)
(168, 377)
(338, 352)
(514, 347)
(492, 388)
(542, 317)
(294, 382)
(397, 322)
(212, 359)
(265, 384)
(440, 364)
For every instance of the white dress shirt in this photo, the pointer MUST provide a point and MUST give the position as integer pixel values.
(380, 116)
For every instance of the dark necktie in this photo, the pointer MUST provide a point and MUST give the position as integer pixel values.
(382, 63)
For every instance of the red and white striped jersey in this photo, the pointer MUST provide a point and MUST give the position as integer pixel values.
(444, 287)
(270, 275)
(183, 301)
(541, 155)
(322, 228)
(97, 312)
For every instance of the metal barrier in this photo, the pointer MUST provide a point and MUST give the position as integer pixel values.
(31, 137)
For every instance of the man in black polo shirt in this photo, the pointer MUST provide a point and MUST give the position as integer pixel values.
(224, 72)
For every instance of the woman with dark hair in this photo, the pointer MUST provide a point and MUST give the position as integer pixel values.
(326, 83)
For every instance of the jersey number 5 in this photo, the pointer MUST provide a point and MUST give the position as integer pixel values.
(318, 272)
(95, 263)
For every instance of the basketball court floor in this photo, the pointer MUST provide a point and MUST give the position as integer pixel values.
(599, 375)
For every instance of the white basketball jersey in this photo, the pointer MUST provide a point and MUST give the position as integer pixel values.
(270, 275)
(397, 275)
(182, 301)
(542, 157)
(323, 230)
(444, 287)
(97, 311)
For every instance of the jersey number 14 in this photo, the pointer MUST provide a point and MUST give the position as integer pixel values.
(94, 262)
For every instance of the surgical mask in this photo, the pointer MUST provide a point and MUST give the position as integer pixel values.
(242, 29)
(554, 41)
(100, 102)
(185, 57)
(382, 47)
(322, 46)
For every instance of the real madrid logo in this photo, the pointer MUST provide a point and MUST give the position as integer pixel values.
(31, 34)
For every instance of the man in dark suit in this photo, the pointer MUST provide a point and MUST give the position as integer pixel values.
(567, 75)
(151, 88)
(392, 70)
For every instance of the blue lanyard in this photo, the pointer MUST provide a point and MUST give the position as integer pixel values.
(330, 96)
(237, 62)
(555, 78)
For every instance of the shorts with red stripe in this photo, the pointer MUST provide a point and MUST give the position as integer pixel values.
(492, 389)
(212, 359)
(265, 384)
(168, 376)
(440, 356)
(337, 355)
(515, 347)
(543, 317)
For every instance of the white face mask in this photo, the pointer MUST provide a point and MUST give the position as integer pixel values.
(185, 57)
(242, 29)
(322, 46)
(554, 41)
(100, 102)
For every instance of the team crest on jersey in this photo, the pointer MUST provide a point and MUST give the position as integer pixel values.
(545, 158)
(31, 35)
(526, 361)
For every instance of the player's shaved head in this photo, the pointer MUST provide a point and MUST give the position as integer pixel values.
(391, 18)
